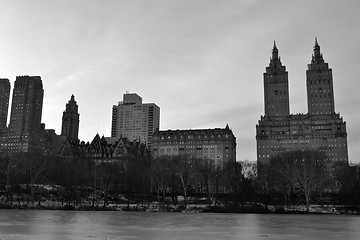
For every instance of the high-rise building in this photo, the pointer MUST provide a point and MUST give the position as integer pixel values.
(4, 101)
(218, 145)
(70, 119)
(319, 85)
(135, 120)
(276, 87)
(25, 128)
(320, 129)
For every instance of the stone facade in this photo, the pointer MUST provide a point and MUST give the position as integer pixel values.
(218, 145)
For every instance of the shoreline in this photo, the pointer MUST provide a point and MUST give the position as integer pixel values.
(193, 208)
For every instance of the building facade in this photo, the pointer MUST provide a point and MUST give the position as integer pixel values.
(25, 132)
(218, 145)
(135, 120)
(70, 120)
(4, 101)
(102, 149)
(320, 129)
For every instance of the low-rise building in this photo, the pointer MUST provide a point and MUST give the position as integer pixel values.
(218, 145)
(102, 149)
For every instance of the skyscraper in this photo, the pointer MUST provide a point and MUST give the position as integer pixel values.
(25, 129)
(320, 129)
(319, 84)
(4, 101)
(135, 120)
(276, 87)
(70, 119)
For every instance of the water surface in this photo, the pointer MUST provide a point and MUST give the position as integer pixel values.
(42, 224)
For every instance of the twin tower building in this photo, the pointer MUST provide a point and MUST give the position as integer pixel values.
(320, 129)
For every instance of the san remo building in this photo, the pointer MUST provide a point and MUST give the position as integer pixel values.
(320, 129)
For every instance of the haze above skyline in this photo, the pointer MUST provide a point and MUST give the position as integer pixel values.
(200, 61)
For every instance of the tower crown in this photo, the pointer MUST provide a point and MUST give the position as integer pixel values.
(317, 57)
(70, 119)
(275, 52)
(72, 106)
(275, 65)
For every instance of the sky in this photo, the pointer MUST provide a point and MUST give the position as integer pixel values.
(200, 61)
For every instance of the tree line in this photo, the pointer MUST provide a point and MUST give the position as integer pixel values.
(299, 177)
(309, 177)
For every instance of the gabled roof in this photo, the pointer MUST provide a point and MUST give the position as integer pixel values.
(100, 148)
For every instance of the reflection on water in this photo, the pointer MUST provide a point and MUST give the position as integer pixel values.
(33, 224)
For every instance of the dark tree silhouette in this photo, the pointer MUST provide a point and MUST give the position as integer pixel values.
(204, 173)
(348, 178)
(303, 171)
(161, 173)
(184, 171)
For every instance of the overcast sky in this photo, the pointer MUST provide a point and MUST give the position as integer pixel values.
(200, 61)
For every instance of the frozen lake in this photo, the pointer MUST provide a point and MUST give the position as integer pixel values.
(34, 224)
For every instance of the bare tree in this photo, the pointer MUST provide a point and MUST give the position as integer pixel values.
(204, 170)
(304, 171)
(8, 172)
(184, 171)
(33, 166)
(233, 179)
(161, 176)
(348, 178)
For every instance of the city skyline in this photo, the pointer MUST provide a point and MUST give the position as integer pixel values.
(201, 62)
